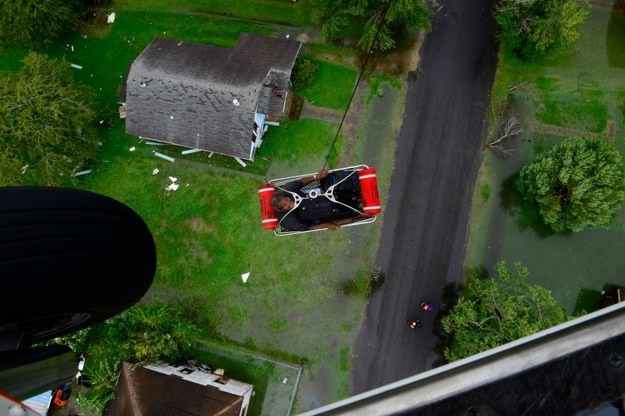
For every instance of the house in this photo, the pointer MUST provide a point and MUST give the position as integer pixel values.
(210, 98)
(184, 390)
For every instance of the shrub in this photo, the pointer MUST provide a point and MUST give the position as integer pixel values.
(304, 73)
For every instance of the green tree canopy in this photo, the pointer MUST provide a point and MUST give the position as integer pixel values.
(533, 29)
(492, 312)
(341, 19)
(47, 122)
(578, 184)
(33, 24)
(145, 332)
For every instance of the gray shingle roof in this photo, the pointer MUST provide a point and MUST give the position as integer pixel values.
(183, 93)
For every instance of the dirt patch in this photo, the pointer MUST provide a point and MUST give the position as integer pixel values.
(401, 63)
(199, 226)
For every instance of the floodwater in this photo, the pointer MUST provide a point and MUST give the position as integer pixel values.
(563, 263)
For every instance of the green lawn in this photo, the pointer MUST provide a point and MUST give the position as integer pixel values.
(306, 294)
(333, 87)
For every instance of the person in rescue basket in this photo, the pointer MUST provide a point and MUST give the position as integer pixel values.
(320, 212)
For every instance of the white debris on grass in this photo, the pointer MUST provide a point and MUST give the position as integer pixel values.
(210, 155)
(82, 172)
(76, 66)
(155, 144)
(155, 171)
(110, 18)
(72, 48)
(245, 276)
(162, 156)
(171, 178)
(132, 149)
(284, 380)
(242, 163)
(186, 152)
(23, 170)
(172, 187)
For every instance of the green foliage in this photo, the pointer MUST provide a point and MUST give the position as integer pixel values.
(46, 124)
(145, 332)
(338, 18)
(485, 192)
(578, 184)
(34, 24)
(304, 72)
(492, 312)
(535, 29)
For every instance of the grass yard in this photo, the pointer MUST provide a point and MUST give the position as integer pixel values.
(274, 383)
(337, 84)
(306, 294)
(574, 94)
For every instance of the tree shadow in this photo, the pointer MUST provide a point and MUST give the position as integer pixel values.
(449, 299)
(524, 213)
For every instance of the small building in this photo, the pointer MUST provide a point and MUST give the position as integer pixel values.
(161, 389)
(205, 97)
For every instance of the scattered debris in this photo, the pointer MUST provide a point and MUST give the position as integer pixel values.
(23, 170)
(84, 36)
(242, 163)
(155, 144)
(155, 171)
(82, 172)
(284, 380)
(101, 121)
(162, 156)
(72, 48)
(186, 152)
(75, 65)
(132, 149)
(172, 187)
(210, 155)
(122, 111)
(244, 276)
(171, 178)
(110, 18)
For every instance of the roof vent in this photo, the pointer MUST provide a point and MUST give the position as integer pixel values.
(235, 102)
(143, 84)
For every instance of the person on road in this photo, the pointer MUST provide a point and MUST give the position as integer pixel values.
(427, 307)
(415, 324)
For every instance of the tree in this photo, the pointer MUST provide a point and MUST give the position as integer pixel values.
(145, 332)
(492, 312)
(533, 29)
(33, 24)
(338, 18)
(47, 120)
(578, 184)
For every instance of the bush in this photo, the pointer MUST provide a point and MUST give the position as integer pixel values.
(304, 73)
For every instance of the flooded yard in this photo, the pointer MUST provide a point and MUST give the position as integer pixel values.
(581, 94)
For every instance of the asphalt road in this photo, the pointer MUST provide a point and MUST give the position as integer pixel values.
(426, 218)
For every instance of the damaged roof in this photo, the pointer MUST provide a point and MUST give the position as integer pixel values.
(205, 97)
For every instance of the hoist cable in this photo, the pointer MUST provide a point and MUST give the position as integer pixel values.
(362, 71)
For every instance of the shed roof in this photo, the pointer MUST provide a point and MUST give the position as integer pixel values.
(205, 97)
(141, 391)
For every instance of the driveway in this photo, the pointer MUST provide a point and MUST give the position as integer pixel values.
(426, 218)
